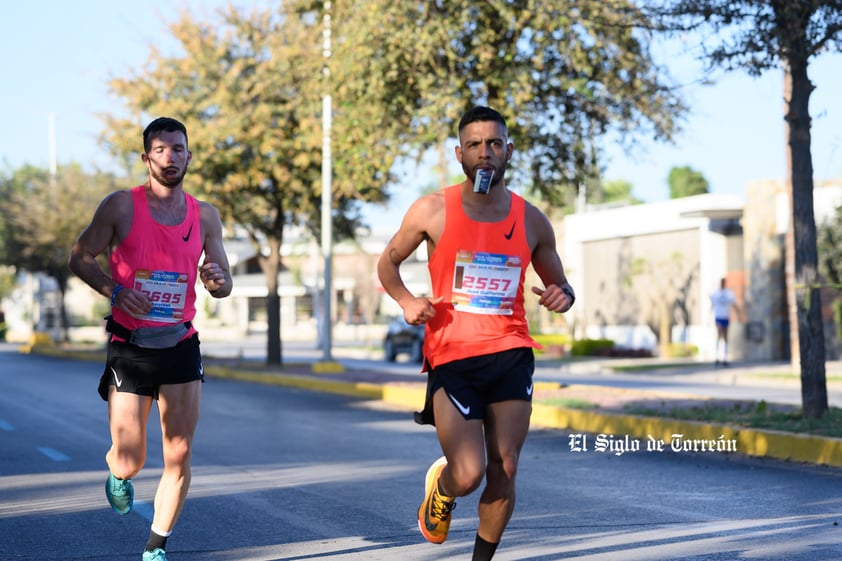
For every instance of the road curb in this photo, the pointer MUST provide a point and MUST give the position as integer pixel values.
(677, 435)
(812, 449)
(327, 385)
(689, 436)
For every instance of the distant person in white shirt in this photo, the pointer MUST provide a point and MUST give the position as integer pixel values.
(722, 301)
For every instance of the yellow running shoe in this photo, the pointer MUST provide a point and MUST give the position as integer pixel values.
(434, 512)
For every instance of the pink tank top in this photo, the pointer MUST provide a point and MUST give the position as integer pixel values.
(160, 261)
(478, 267)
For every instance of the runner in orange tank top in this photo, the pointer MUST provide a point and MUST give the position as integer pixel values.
(155, 235)
(480, 237)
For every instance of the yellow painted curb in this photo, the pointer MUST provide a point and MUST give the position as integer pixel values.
(546, 386)
(37, 340)
(692, 436)
(405, 395)
(327, 367)
(58, 352)
(795, 447)
(357, 389)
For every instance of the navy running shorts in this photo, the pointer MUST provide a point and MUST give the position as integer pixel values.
(140, 371)
(473, 383)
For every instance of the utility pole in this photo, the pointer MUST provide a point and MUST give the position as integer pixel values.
(327, 192)
(51, 133)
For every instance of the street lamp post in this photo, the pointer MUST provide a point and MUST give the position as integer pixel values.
(327, 195)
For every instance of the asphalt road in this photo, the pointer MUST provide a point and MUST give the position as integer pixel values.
(283, 475)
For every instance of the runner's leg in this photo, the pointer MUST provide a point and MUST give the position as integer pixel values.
(128, 414)
(463, 445)
(506, 427)
(178, 405)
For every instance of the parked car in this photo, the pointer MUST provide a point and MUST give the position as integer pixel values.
(402, 337)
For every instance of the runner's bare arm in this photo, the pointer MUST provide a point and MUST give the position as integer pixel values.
(558, 295)
(108, 226)
(93, 241)
(413, 231)
(214, 271)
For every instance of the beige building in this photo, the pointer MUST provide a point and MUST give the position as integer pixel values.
(644, 273)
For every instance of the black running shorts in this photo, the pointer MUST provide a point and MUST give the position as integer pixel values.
(473, 383)
(142, 371)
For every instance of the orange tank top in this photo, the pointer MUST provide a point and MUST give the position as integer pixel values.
(478, 267)
(160, 261)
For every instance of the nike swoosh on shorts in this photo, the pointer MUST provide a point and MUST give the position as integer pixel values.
(117, 380)
(462, 409)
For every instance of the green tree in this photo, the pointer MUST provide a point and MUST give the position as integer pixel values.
(684, 181)
(8, 272)
(45, 214)
(661, 286)
(619, 191)
(565, 74)
(7, 282)
(829, 242)
(399, 74)
(7, 285)
(756, 36)
(250, 90)
(11, 182)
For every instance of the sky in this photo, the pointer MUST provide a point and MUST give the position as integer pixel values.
(59, 56)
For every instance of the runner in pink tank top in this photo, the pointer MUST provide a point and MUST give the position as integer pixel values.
(159, 260)
(155, 234)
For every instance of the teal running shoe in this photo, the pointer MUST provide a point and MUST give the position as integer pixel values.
(120, 494)
(155, 555)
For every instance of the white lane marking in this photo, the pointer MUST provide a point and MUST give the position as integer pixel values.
(53, 454)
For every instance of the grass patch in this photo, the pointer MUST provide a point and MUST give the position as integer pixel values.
(569, 403)
(757, 415)
(647, 367)
(556, 346)
(549, 339)
(792, 377)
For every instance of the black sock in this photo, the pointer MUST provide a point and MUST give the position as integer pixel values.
(440, 491)
(483, 550)
(156, 542)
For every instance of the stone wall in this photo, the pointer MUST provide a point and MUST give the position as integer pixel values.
(765, 297)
